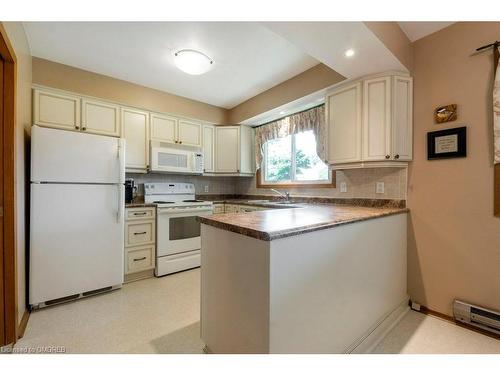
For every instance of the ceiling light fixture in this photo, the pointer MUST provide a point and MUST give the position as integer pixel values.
(349, 53)
(193, 62)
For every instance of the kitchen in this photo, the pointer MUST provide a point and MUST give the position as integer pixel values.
(284, 219)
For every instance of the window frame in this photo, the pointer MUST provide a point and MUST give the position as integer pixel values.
(261, 173)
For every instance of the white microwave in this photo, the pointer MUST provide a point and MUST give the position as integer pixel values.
(168, 159)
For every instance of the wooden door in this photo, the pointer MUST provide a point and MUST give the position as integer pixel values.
(377, 119)
(163, 128)
(344, 125)
(189, 133)
(227, 149)
(100, 118)
(8, 289)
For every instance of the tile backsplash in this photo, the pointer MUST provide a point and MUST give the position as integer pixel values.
(360, 183)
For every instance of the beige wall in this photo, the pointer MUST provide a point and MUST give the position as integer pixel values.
(394, 39)
(65, 77)
(19, 42)
(312, 80)
(454, 240)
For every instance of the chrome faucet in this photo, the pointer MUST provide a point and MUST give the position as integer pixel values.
(285, 195)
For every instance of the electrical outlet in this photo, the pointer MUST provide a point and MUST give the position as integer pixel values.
(380, 188)
(343, 187)
(206, 188)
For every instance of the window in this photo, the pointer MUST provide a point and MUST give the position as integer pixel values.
(293, 161)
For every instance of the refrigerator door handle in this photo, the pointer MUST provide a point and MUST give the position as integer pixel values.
(120, 208)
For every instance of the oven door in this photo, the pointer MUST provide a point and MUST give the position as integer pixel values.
(178, 230)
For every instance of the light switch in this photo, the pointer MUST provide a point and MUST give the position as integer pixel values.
(343, 187)
(380, 188)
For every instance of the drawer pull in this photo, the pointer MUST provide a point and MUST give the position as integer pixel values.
(138, 259)
(137, 233)
(139, 213)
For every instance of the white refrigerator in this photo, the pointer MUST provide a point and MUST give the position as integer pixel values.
(77, 210)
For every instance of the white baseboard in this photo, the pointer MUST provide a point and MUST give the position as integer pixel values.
(368, 342)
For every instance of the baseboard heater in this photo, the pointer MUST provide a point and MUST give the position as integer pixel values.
(477, 316)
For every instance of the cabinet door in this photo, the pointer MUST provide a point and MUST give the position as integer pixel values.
(163, 128)
(377, 119)
(135, 131)
(344, 125)
(402, 129)
(189, 133)
(100, 118)
(247, 157)
(208, 148)
(227, 149)
(56, 110)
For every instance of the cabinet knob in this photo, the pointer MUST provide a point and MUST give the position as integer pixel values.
(238, 170)
(84, 128)
(396, 156)
(77, 127)
(180, 142)
(387, 156)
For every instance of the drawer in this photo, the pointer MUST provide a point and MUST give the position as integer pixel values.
(140, 213)
(139, 259)
(139, 233)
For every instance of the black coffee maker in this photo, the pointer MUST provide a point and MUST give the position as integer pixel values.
(129, 190)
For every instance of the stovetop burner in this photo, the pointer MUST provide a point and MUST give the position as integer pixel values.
(192, 200)
(162, 202)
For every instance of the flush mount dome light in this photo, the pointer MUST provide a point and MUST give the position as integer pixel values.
(192, 62)
(349, 53)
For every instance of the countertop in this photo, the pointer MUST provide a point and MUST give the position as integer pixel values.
(303, 218)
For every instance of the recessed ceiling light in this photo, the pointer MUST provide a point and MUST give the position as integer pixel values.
(193, 62)
(349, 53)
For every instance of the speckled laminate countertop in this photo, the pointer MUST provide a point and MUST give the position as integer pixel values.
(274, 224)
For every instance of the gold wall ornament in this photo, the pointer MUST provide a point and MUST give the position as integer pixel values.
(445, 113)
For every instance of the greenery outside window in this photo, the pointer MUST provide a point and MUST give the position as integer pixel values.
(293, 161)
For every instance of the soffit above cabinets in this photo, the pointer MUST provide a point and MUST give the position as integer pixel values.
(417, 30)
(328, 41)
(248, 58)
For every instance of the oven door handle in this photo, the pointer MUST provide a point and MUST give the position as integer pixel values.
(184, 210)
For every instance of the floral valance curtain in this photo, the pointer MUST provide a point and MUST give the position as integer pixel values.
(312, 119)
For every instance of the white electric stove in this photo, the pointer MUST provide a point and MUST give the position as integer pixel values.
(178, 241)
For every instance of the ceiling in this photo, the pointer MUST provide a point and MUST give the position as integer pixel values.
(417, 30)
(248, 58)
(328, 41)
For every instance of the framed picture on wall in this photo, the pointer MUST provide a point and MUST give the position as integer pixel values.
(448, 143)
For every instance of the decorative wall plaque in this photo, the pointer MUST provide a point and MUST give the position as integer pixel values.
(446, 113)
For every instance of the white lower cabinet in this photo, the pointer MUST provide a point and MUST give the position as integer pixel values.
(369, 122)
(140, 240)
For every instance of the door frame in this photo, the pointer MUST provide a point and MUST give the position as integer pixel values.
(8, 272)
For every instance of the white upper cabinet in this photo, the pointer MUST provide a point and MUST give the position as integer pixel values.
(164, 128)
(234, 150)
(135, 126)
(377, 119)
(170, 129)
(56, 110)
(344, 124)
(189, 133)
(402, 130)
(100, 118)
(209, 148)
(370, 121)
